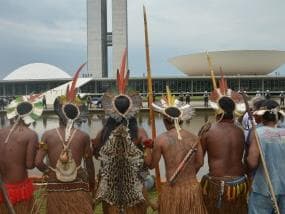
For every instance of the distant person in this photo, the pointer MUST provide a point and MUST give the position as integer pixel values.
(2, 104)
(187, 98)
(181, 97)
(44, 102)
(18, 146)
(258, 94)
(267, 95)
(89, 102)
(206, 99)
(281, 98)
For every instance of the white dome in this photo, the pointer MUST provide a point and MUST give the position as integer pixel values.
(37, 71)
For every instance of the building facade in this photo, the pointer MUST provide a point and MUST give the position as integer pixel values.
(195, 85)
(99, 39)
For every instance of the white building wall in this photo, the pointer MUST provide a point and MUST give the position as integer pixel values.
(96, 37)
(120, 32)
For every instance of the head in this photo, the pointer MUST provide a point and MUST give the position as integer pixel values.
(228, 106)
(65, 112)
(23, 109)
(272, 114)
(122, 103)
(256, 106)
(171, 112)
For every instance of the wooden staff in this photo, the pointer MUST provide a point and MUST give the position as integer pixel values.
(150, 96)
(6, 197)
(265, 169)
(183, 163)
(212, 71)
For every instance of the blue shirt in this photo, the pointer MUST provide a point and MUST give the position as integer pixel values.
(272, 142)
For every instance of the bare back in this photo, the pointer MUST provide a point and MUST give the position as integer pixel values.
(79, 144)
(18, 154)
(174, 151)
(224, 144)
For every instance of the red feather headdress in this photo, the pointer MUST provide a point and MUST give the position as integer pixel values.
(122, 76)
(223, 91)
(71, 92)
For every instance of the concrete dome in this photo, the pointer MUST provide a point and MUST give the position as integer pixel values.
(37, 71)
(243, 62)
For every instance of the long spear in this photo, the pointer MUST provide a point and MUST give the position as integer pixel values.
(150, 96)
(7, 201)
(265, 169)
(212, 70)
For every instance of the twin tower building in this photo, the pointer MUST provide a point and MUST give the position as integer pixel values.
(100, 41)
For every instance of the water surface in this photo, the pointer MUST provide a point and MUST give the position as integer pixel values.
(95, 121)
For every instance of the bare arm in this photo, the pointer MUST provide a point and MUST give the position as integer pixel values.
(31, 151)
(253, 153)
(89, 164)
(203, 143)
(155, 155)
(95, 144)
(199, 158)
(41, 153)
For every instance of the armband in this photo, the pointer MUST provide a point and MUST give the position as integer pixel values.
(148, 143)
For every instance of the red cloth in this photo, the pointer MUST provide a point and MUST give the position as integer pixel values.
(19, 192)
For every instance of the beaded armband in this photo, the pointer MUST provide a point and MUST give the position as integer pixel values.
(43, 145)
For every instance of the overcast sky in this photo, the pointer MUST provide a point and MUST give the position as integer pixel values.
(54, 31)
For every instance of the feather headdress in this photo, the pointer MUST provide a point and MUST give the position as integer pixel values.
(123, 103)
(28, 108)
(224, 91)
(174, 109)
(67, 106)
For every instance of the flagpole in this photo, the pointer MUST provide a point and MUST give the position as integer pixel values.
(150, 96)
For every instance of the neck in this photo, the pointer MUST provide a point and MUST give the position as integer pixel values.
(270, 124)
(227, 120)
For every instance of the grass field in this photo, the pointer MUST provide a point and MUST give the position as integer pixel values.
(40, 202)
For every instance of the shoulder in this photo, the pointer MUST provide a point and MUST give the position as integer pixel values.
(205, 128)
(82, 134)
(162, 138)
(49, 132)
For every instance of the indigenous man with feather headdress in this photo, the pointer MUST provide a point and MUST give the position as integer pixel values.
(18, 146)
(225, 187)
(68, 183)
(119, 147)
(183, 157)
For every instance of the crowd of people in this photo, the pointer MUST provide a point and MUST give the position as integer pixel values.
(235, 183)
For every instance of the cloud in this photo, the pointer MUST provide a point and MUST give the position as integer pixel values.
(54, 31)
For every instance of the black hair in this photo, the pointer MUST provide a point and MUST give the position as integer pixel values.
(112, 124)
(24, 108)
(173, 111)
(71, 111)
(122, 103)
(270, 116)
(228, 105)
(258, 104)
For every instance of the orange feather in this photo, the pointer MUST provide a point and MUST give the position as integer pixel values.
(72, 91)
(122, 78)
